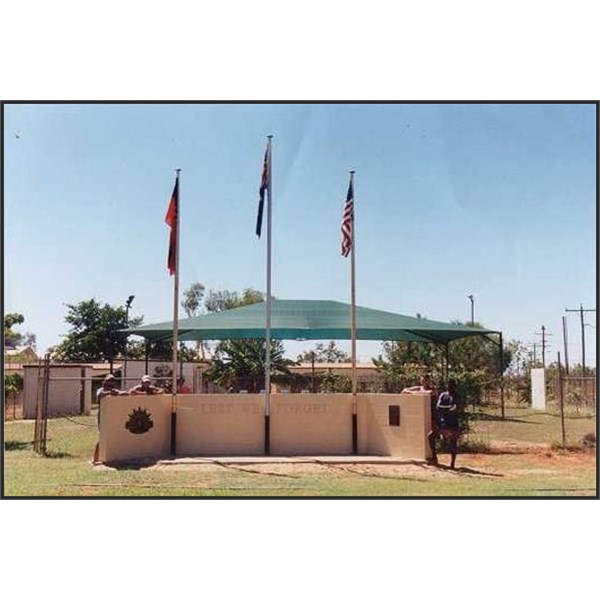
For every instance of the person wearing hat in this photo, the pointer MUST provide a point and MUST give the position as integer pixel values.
(446, 423)
(145, 387)
(109, 388)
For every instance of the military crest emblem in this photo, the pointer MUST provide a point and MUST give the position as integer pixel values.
(139, 421)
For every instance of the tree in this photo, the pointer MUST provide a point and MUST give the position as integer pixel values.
(226, 300)
(192, 301)
(401, 363)
(325, 354)
(160, 349)
(12, 338)
(29, 340)
(95, 332)
(473, 363)
(13, 384)
(240, 364)
(478, 352)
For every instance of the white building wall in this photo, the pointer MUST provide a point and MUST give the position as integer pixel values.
(538, 389)
(64, 392)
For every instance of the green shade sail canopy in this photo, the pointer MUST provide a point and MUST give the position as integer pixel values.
(308, 320)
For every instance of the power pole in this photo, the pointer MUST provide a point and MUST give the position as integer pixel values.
(532, 354)
(564, 324)
(581, 310)
(544, 344)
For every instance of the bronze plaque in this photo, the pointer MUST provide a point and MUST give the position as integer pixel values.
(139, 421)
(394, 415)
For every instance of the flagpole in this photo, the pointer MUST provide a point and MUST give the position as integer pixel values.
(353, 325)
(175, 325)
(268, 306)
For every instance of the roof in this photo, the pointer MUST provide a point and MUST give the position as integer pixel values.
(309, 320)
(20, 351)
(94, 366)
(308, 366)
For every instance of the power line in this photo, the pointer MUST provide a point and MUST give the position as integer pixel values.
(581, 310)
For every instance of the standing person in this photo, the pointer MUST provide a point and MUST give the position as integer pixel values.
(183, 387)
(108, 388)
(446, 423)
(145, 387)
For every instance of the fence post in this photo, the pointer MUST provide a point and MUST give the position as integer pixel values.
(502, 376)
(41, 413)
(562, 402)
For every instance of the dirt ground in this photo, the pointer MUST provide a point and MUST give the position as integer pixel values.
(526, 459)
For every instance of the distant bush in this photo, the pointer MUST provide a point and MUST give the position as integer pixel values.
(13, 384)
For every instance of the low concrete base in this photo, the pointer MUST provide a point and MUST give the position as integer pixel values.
(278, 460)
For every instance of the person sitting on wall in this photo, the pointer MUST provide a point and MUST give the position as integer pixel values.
(108, 388)
(145, 387)
(426, 384)
(446, 423)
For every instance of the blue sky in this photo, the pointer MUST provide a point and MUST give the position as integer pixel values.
(497, 201)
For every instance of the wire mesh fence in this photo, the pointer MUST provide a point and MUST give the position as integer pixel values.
(13, 407)
(65, 417)
(579, 394)
(71, 436)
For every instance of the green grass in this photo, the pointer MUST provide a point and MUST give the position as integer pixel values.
(544, 472)
(529, 426)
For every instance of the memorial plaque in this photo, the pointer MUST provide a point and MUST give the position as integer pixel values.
(139, 421)
(394, 415)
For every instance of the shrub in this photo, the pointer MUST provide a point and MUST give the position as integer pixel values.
(13, 384)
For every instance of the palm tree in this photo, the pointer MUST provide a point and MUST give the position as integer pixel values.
(240, 364)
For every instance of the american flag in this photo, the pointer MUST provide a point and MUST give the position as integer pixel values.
(171, 219)
(348, 221)
(264, 184)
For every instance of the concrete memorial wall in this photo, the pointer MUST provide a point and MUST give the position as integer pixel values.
(134, 427)
(213, 424)
(311, 424)
(394, 425)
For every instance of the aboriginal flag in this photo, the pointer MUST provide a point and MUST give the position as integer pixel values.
(171, 219)
(264, 184)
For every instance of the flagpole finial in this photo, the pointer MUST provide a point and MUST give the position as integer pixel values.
(178, 171)
(352, 172)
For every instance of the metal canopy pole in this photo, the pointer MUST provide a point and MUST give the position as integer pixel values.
(268, 302)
